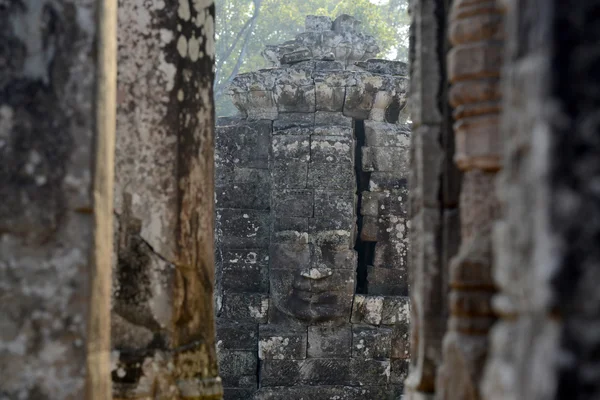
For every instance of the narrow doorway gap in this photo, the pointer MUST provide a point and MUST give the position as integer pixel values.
(365, 250)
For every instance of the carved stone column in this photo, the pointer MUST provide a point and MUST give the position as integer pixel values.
(57, 89)
(163, 318)
(474, 64)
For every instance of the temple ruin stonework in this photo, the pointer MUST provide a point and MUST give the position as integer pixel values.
(311, 222)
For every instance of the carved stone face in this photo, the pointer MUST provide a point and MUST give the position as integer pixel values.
(313, 279)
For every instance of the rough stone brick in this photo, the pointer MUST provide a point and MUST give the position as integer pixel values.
(238, 368)
(242, 196)
(325, 118)
(290, 174)
(238, 394)
(293, 120)
(401, 340)
(359, 102)
(385, 159)
(245, 271)
(289, 250)
(244, 145)
(291, 147)
(386, 281)
(234, 335)
(293, 203)
(297, 224)
(281, 343)
(396, 309)
(334, 204)
(331, 176)
(393, 202)
(246, 307)
(368, 372)
(334, 131)
(367, 309)
(329, 98)
(313, 371)
(329, 393)
(387, 181)
(329, 342)
(241, 229)
(332, 149)
(294, 98)
(383, 134)
(317, 23)
(399, 371)
(369, 342)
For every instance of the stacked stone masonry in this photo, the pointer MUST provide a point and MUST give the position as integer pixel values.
(311, 229)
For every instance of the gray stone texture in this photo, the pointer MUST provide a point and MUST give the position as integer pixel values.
(298, 183)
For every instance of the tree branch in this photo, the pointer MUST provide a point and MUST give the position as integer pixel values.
(220, 88)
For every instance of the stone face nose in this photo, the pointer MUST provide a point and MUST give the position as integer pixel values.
(320, 272)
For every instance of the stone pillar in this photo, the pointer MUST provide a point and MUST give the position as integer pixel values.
(434, 187)
(163, 319)
(57, 88)
(548, 263)
(476, 32)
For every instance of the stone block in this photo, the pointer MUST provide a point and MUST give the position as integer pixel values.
(290, 147)
(238, 369)
(335, 206)
(296, 56)
(331, 176)
(396, 310)
(368, 372)
(243, 229)
(329, 98)
(281, 224)
(289, 174)
(344, 131)
(322, 224)
(401, 340)
(380, 181)
(260, 105)
(346, 23)
(313, 371)
(281, 343)
(329, 342)
(293, 120)
(399, 371)
(359, 102)
(388, 282)
(245, 271)
(329, 393)
(323, 65)
(367, 309)
(242, 196)
(388, 203)
(370, 342)
(250, 307)
(297, 99)
(332, 149)
(238, 394)
(386, 159)
(385, 67)
(243, 145)
(293, 202)
(383, 134)
(329, 119)
(317, 23)
(234, 335)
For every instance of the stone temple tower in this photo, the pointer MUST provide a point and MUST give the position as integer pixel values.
(311, 224)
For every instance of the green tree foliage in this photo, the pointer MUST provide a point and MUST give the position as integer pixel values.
(244, 27)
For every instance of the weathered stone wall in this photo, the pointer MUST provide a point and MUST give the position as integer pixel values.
(162, 321)
(311, 227)
(57, 88)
